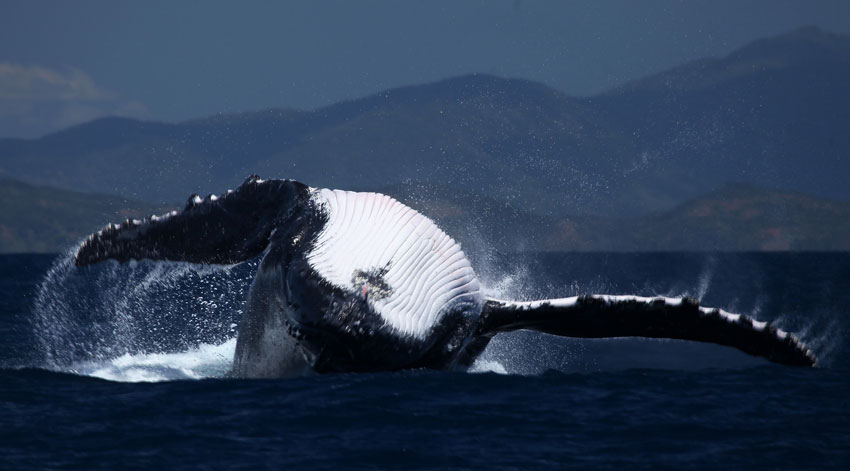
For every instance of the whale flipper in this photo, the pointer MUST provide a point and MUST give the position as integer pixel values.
(218, 230)
(603, 316)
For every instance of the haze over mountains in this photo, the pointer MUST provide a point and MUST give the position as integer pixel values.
(775, 113)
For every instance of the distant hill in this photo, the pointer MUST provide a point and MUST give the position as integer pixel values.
(44, 219)
(484, 133)
(743, 217)
(734, 218)
(737, 217)
(481, 223)
(774, 113)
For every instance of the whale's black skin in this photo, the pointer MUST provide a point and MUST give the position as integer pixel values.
(297, 322)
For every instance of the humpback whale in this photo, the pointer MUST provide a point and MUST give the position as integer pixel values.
(357, 282)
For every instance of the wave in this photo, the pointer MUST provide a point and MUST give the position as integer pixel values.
(205, 361)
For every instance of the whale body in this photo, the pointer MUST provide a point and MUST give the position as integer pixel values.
(355, 282)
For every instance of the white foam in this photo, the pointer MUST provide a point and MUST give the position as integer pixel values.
(487, 366)
(426, 270)
(206, 361)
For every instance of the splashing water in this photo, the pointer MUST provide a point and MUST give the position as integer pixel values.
(156, 321)
(205, 361)
(140, 321)
(523, 353)
(705, 277)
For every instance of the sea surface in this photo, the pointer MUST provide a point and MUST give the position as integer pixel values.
(126, 367)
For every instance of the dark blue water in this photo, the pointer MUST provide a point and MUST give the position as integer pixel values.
(563, 404)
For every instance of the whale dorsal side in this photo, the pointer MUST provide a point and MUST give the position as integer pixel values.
(406, 267)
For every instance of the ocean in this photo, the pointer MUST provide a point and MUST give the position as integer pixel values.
(126, 367)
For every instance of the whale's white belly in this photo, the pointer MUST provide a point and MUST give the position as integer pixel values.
(407, 269)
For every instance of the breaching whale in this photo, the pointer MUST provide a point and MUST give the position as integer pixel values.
(355, 282)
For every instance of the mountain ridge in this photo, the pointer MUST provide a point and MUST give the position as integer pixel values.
(36, 218)
(627, 151)
(736, 217)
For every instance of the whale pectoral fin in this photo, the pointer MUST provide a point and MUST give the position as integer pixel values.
(600, 316)
(224, 230)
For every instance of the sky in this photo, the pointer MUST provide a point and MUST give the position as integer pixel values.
(63, 63)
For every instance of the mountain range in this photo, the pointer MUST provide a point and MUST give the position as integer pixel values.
(772, 114)
(44, 219)
(736, 217)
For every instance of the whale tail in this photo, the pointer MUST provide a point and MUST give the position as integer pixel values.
(221, 230)
(601, 316)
